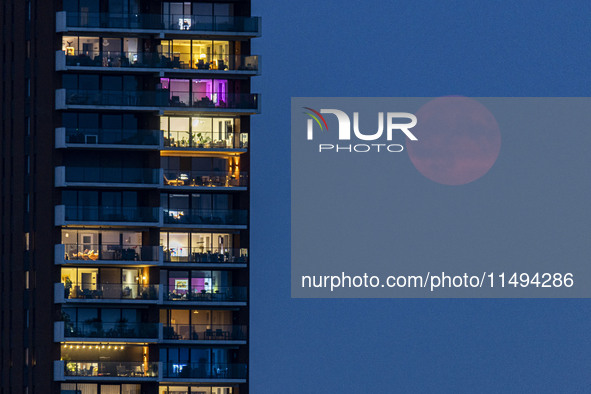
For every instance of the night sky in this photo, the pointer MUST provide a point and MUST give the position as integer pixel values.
(419, 48)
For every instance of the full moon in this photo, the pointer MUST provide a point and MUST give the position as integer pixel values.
(458, 140)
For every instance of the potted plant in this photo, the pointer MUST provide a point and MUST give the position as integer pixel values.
(203, 139)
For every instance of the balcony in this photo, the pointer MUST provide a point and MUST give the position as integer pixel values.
(177, 140)
(210, 333)
(107, 138)
(99, 331)
(108, 254)
(167, 25)
(228, 257)
(96, 215)
(107, 370)
(107, 177)
(205, 179)
(199, 295)
(157, 100)
(156, 62)
(204, 218)
(106, 292)
(213, 371)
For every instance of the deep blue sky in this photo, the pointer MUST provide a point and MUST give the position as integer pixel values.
(418, 48)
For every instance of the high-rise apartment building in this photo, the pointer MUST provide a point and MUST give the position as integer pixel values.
(125, 196)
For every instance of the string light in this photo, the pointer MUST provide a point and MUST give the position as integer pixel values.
(90, 347)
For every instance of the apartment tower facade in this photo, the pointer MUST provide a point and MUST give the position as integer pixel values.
(125, 196)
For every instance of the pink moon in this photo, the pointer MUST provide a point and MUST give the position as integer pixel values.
(458, 140)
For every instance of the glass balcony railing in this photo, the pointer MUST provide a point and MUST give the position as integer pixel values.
(162, 98)
(205, 178)
(114, 214)
(112, 175)
(235, 217)
(111, 330)
(108, 369)
(198, 293)
(200, 255)
(174, 60)
(188, 23)
(207, 332)
(204, 371)
(110, 291)
(204, 140)
(105, 252)
(113, 136)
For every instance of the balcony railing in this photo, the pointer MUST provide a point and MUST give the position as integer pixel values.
(110, 291)
(196, 293)
(203, 140)
(200, 255)
(175, 60)
(104, 252)
(205, 178)
(112, 137)
(235, 217)
(111, 330)
(161, 98)
(205, 332)
(145, 176)
(111, 214)
(110, 369)
(204, 371)
(185, 23)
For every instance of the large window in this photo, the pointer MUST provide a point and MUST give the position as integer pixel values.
(197, 92)
(195, 282)
(114, 7)
(195, 317)
(198, 54)
(78, 316)
(183, 356)
(196, 201)
(95, 282)
(199, 132)
(194, 390)
(96, 82)
(89, 244)
(195, 16)
(202, 247)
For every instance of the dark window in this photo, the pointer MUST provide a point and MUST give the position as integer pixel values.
(89, 5)
(112, 122)
(70, 81)
(129, 83)
(71, 5)
(129, 122)
(88, 82)
(88, 121)
(112, 83)
(69, 120)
